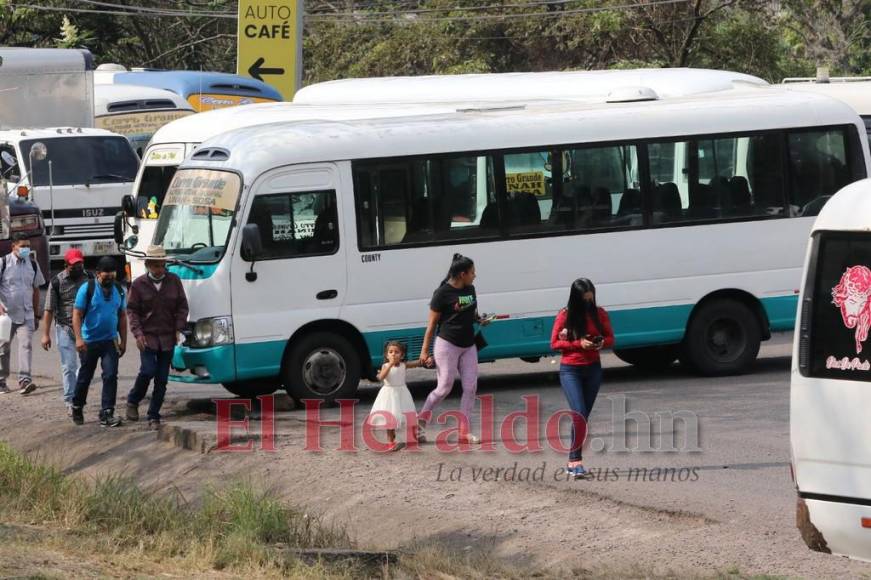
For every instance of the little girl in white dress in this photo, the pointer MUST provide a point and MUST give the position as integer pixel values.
(394, 397)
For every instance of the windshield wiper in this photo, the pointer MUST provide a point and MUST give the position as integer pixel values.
(111, 176)
(194, 269)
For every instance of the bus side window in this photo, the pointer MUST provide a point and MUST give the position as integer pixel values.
(413, 201)
(296, 224)
(599, 189)
(817, 168)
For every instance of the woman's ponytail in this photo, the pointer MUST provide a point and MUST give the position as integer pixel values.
(459, 265)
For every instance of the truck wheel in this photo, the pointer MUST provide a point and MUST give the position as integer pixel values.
(722, 339)
(252, 389)
(322, 365)
(655, 358)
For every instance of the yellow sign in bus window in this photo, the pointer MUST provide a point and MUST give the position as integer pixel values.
(532, 182)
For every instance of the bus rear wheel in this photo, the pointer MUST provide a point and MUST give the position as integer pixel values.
(322, 365)
(655, 358)
(252, 389)
(722, 339)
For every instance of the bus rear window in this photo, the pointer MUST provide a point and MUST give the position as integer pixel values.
(841, 307)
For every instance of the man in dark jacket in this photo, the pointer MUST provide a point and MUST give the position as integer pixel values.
(158, 312)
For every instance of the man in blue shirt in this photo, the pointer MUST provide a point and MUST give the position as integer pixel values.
(100, 326)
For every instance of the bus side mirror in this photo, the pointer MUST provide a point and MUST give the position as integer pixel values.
(252, 243)
(252, 248)
(118, 228)
(128, 205)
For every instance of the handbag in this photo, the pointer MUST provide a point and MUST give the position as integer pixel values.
(480, 341)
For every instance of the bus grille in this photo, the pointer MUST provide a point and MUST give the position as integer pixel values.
(87, 231)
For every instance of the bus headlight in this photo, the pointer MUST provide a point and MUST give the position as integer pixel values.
(213, 331)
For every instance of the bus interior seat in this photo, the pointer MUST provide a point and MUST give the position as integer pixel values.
(525, 208)
(741, 202)
(703, 203)
(667, 204)
(490, 216)
(630, 202)
(601, 201)
(419, 222)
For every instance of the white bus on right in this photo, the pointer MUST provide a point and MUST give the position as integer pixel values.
(830, 398)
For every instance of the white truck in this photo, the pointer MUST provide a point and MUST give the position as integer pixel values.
(51, 155)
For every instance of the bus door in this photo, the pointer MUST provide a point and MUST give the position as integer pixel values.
(300, 275)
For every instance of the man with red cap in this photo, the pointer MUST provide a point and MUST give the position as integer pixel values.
(59, 307)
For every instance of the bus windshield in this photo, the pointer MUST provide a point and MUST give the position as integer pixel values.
(197, 213)
(83, 160)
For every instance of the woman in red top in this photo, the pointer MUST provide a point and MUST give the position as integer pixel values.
(580, 331)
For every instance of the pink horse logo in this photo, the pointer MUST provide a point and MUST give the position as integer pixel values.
(853, 296)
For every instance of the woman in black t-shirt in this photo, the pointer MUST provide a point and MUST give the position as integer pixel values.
(454, 310)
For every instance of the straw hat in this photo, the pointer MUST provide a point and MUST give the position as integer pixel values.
(155, 253)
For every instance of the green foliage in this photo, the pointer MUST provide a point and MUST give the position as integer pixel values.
(768, 38)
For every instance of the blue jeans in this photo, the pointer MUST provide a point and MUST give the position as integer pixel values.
(105, 353)
(69, 360)
(154, 364)
(580, 384)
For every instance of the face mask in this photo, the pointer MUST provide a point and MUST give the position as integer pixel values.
(77, 272)
(156, 278)
(107, 282)
(23, 253)
(590, 306)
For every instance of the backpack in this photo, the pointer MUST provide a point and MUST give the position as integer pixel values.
(55, 286)
(5, 259)
(92, 285)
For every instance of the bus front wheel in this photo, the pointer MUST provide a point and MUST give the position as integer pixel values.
(654, 358)
(722, 339)
(322, 365)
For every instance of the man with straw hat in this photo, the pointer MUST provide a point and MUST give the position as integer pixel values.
(158, 312)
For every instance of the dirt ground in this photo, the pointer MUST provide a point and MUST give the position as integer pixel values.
(392, 500)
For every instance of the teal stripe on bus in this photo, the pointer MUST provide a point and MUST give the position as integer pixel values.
(509, 338)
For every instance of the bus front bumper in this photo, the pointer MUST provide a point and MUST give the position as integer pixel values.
(207, 366)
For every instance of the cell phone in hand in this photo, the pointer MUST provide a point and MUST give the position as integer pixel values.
(595, 339)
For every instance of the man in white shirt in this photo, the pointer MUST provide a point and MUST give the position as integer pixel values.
(20, 279)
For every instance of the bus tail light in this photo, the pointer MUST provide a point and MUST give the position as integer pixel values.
(866, 523)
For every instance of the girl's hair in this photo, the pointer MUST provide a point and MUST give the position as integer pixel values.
(577, 311)
(401, 346)
(459, 265)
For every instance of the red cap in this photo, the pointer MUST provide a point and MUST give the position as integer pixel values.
(74, 256)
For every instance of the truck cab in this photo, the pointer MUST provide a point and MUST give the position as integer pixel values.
(77, 177)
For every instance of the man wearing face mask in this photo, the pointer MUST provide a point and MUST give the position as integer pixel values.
(62, 292)
(100, 326)
(20, 279)
(158, 313)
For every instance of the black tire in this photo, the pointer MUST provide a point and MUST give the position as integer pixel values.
(654, 358)
(722, 339)
(322, 365)
(252, 389)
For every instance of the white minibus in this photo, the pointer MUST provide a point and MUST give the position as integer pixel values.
(561, 85)
(831, 374)
(172, 143)
(136, 112)
(855, 91)
(689, 214)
